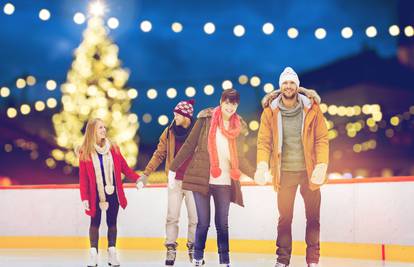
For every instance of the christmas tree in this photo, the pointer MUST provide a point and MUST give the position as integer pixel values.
(96, 88)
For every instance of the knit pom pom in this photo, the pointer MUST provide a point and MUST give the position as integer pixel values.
(109, 189)
(235, 174)
(215, 171)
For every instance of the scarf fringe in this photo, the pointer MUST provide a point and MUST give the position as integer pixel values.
(108, 166)
(231, 134)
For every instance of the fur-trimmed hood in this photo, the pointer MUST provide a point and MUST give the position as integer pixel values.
(309, 93)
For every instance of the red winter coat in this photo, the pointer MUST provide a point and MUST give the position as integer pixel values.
(87, 180)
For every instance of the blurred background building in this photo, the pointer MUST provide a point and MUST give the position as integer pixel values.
(130, 62)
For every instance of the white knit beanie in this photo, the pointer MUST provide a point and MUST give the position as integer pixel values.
(288, 75)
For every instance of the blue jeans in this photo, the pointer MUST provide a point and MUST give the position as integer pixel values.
(222, 196)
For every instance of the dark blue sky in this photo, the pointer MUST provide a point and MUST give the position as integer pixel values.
(162, 59)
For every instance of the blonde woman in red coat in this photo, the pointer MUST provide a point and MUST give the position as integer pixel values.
(100, 166)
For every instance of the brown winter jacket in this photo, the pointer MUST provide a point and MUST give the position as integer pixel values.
(314, 136)
(165, 149)
(197, 175)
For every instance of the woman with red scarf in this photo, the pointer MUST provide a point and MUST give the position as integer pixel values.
(216, 146)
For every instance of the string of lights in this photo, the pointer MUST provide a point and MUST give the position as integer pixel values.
(209, 28)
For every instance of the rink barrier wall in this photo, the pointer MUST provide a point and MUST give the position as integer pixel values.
(375, 250)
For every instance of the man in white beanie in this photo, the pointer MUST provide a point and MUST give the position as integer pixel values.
(293, 141)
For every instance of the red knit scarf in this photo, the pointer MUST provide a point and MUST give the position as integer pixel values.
(231, 135)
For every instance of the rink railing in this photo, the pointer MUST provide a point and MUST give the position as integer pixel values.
(244, 183)
(364, 218)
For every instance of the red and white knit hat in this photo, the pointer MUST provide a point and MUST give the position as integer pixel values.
(185, 108)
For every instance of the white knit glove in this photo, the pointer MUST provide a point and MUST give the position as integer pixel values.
(319, 173)
(262, 174)
(85, 204)
(142, 182)
(171, 179)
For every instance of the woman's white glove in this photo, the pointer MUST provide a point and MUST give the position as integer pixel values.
(171, 179)
(142, 182)
(85, 204)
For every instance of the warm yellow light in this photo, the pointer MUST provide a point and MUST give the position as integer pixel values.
(293, 33)
(25, 109)
(113, 23)
(254, 125)
(51, 163)
(51, 102)
(239, 30)
(320, 33)
(395, 121)
(44, 14)
(31, 80)
(171, 93)
(152, 93)
(190, 91)
(227, 84)
(208, 89)
(394, 30)
(112, 92)
(366, 109)
(177, 27)
(4, 92)
(97, 9)
(332, 134)
(147, 118)
(163, 120)
(133, 118)
(40, 105)
(92, 90)
(332, 110)
(255, 81)
(371, 32)
(132, 93)
(370, 122)
(79, 18)
(347, 32)
(146, 26)
(357, 110)
(8, 9)
(357, 148)
(209, 28)
(20, 83)
(11, 113)
(409, 31)
(377, 116)
(372, 144)
(243, 79)
(51, 85)
(342, 111)
(268, 28)
(268, 87)
(58, 154)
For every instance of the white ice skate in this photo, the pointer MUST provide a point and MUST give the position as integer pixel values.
(93, 258)
(198, 263)
(112, 257)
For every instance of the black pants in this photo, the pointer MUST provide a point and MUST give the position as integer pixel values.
(111, 218)
(285, 200)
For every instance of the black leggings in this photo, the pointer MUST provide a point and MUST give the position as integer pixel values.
(111, 217)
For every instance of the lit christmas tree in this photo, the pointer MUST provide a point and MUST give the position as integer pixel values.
(95, 88)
